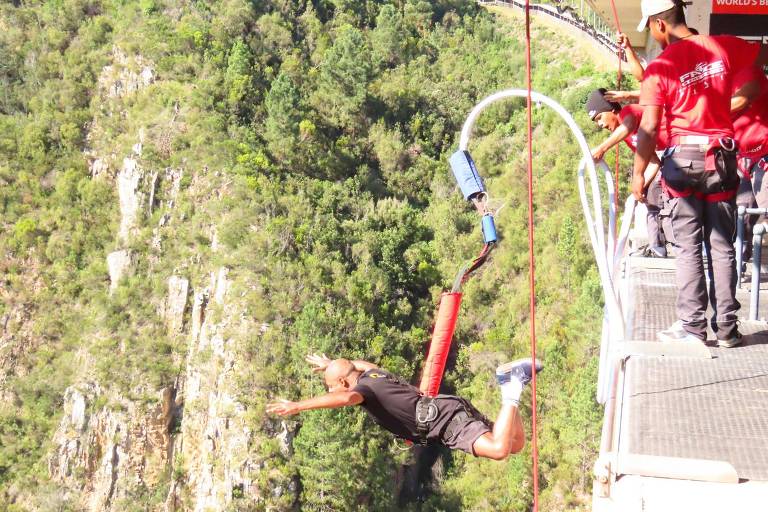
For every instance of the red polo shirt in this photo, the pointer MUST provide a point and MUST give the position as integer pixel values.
(631, 140)
(750, 126)
(692, 78)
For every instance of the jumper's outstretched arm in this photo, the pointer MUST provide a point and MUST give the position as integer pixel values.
(329, 401)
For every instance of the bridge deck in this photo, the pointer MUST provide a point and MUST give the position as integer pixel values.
(705, 408)
(696, 402)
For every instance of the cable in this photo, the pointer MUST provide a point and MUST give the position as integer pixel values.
(531, 260)
(618, 87)
(466, 271)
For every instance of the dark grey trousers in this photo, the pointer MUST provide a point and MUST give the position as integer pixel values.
(759, 186)
(653, 222)
(745, 197)
(752, 194)
(696, 222)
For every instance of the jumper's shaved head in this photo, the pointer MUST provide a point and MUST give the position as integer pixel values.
(339, 369)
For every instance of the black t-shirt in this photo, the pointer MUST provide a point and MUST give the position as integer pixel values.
(391, 403)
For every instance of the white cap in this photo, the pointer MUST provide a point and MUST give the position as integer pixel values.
(651, 7)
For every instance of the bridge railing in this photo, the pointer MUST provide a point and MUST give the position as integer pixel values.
(567, 15)
(757, 243)
(609, 251)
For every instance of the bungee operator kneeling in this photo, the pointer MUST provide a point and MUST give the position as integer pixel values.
(403, 410)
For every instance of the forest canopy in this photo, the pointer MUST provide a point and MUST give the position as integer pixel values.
(312, 137)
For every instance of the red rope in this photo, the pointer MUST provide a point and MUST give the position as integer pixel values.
(618, 87)
(531, 260)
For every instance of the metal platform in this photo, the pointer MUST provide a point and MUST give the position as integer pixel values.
(713, 409)
(680, 408)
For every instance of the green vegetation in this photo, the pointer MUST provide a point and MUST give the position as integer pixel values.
(314, 136)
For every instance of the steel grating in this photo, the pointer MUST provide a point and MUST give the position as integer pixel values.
(653, 293)
(701, 408)
(693, 407)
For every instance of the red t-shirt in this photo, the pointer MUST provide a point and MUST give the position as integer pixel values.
(751, 125)
(631, 140)
(692, 78)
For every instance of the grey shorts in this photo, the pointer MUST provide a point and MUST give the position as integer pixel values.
(464, 434)
(467, 424)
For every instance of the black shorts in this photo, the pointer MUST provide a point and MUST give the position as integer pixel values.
(465, 427)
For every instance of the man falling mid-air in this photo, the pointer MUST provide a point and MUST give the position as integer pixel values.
(403, 410)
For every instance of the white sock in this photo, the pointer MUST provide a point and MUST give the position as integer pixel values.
(511, 391)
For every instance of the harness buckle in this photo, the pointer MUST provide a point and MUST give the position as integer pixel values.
(727, 143)
(426, 413)
(426, 410)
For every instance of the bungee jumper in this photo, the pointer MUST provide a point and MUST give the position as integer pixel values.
(405, 411)
(422, 415)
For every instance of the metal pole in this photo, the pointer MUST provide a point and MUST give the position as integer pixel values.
(739, 243)
(757, 245)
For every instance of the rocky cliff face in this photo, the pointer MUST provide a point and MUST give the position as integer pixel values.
(17, 336)
(192, 438)
(214, 445)
(191, 442)
(103, 452)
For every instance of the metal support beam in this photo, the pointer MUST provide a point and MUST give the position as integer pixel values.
(757, 246)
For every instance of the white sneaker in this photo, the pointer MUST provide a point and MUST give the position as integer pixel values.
(675, 330)
(731, 342)
(676, 334)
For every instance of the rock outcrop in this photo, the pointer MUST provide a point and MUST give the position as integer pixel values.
(131, 197)
(216, 443)
(100, 168)
(214, 435)
(178, 291)
(102, 452)
(126, 75)
(119, 264)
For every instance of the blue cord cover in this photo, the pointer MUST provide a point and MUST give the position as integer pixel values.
(489, 228)
(466, 175)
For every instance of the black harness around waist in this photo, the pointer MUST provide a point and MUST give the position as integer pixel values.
(427, 412)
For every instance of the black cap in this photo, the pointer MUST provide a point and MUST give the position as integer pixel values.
(597, 104)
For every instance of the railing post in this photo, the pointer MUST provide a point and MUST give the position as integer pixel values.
(739, 243)
(757, 246)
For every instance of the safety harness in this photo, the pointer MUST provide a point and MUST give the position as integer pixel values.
(426, 414)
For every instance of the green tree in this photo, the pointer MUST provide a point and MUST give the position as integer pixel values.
(343, 81)
(239, 79)
(281, 128)
(389, 38)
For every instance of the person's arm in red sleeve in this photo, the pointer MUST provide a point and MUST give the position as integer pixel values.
(743, 54)
(628, 125)
(748, 85)
(652, 98)
(744, 96)
(646, 144)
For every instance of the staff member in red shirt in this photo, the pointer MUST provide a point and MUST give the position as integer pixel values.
(623, 124)
(749, 107)
(690, 82)
(749, 111)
